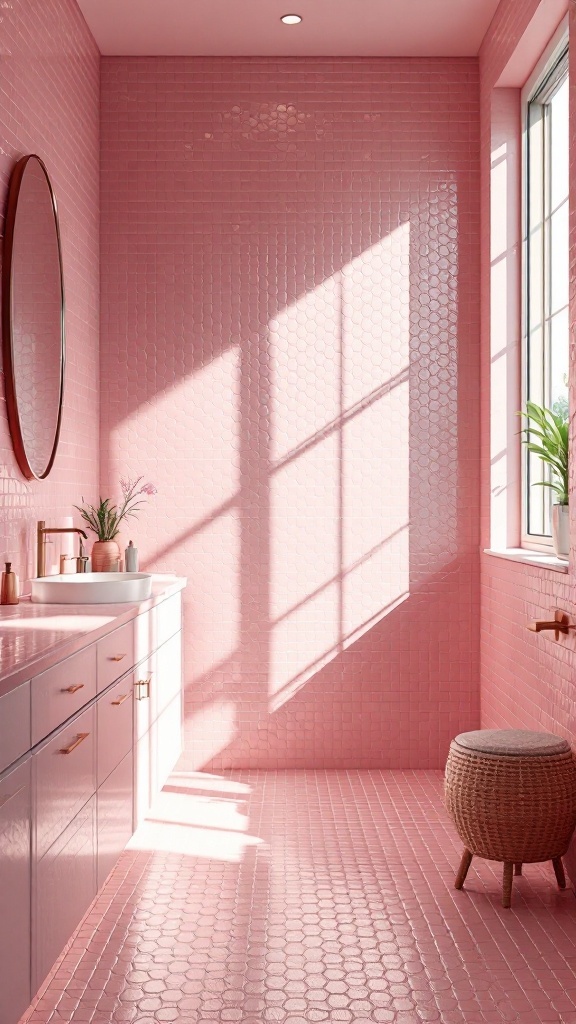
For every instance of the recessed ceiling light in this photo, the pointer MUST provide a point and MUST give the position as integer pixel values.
(291, 19)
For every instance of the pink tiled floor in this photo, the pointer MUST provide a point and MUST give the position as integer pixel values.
(296, 897)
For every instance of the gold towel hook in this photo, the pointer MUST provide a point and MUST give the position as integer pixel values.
(560, 624)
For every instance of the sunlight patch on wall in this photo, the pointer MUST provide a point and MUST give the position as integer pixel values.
(304, 526)
(340, 479)
(215, 611)
(305, 354)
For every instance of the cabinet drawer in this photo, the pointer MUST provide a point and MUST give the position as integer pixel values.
(115, 813)
(65, 778)
(114, 711)
(15, 732)
(62, 691)
(64, 887)
(15, 992)
(115, 655)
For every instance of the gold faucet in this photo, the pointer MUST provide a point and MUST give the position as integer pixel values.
(42, 531)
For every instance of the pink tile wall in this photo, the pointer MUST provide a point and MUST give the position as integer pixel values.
(290, 352)
(49, 105)
(527, 680)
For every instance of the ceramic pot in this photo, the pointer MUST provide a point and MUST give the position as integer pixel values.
(561, 531)
(105, 556)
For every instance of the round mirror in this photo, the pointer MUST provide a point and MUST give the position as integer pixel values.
(33, 318)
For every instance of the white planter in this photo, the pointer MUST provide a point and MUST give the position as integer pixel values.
(561, 530)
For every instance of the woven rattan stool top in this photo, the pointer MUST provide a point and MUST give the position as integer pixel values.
(512, 743)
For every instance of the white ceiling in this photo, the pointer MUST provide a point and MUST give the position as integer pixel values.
(434, 28)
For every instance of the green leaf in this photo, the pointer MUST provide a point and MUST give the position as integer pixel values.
(546, 435)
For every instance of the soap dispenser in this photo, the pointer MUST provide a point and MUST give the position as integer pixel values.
(131, 558)
(9, 586)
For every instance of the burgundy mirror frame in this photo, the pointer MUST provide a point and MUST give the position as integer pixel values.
(13, 412)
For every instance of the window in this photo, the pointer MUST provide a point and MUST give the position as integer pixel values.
(546, 268)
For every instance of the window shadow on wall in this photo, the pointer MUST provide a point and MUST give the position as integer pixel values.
(301, 386)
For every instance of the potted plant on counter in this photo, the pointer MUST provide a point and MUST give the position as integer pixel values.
(546, 435)
(105, 519)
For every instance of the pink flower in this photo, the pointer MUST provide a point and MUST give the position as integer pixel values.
(148, 489)
(129, 486)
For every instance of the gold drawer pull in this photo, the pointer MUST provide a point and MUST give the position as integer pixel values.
(79, 739)
(140, 683)
(121, 699)
(5, 799)
(117, 657)
(73, 689)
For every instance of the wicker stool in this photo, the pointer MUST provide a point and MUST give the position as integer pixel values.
(512, 797)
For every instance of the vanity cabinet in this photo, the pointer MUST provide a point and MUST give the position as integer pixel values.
(64, 887)
(158, 722)
(15, 859)
(60, 692)
(115, 715)
(115, 816)
(157, 706)
(64, 778)
(91, 741)
(15, 737)
(115, 654)
(167, 724)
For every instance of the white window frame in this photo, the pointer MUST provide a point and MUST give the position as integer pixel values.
(545, 79)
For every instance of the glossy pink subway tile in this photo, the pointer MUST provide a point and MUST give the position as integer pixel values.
(290, 311)
(49, 89)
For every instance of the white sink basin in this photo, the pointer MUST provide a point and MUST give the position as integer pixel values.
(92, 588)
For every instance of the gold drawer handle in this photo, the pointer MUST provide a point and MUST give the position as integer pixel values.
(79, 739)
(146, 683)
(121, 699)
(5, 799)
(117, 657)
(73, 689)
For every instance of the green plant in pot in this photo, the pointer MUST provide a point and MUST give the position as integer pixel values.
(546, 435)
(105, 520)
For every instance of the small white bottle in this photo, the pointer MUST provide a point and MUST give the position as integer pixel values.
(131, 558)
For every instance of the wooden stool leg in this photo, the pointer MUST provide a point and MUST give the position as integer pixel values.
(559, 872)
(463, 869)
(517, 869)
(507, 883)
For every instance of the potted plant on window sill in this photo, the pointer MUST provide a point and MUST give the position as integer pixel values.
(546, 436)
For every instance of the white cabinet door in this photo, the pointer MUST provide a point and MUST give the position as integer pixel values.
(64, 885)
(167, 708)
(114, 817)
(114, 712)
(144, 681)
(15, 990)
(14, 725)
(65, 778)
(157, 722)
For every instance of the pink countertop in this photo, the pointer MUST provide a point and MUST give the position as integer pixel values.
(34, 637)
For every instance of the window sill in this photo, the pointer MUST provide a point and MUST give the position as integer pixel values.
(537, 558)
